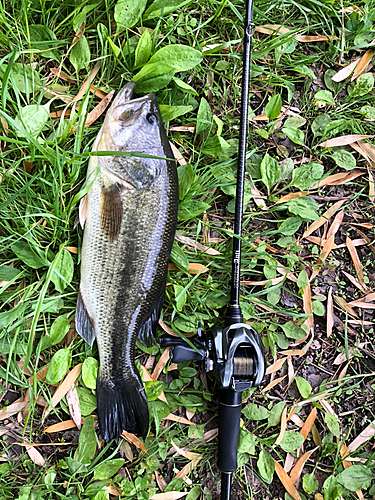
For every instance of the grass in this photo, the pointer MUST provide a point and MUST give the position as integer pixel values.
(43, 166)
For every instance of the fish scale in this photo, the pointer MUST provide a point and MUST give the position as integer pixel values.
(130, 218)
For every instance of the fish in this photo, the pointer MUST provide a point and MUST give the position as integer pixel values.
(129, 216)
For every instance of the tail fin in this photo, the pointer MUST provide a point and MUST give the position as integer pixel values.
(122, 405)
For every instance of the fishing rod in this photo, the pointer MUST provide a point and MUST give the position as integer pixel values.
(233, 353)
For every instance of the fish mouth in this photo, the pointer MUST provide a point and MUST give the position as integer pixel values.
(127, 94)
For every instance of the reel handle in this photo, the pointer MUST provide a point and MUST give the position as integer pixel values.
(229, 429)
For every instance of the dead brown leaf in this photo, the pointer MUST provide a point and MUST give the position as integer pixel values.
(35, 456)
(293, 352)
(315, 38)
(291, 196)
(353, 280)
(196, 245)
(275, 366)
(307, 305)
(272, 29)
(183, 128)
(61, 426)
(286, 481)
(164, 358)
(170, 495)
(337, 179)
(194, 268)
(131, 438)
(326, 216)
(87, 83)
(188, 468)
(12, 410)
(74, 406)
(272, 384)
(282, 427)
(343, 140)
(337, 221)
(98, 110)
(274, 281)
(363, 63)
(371, 187)
(326, 250)
(297, 469)
(330, 313)
(180, 420)
(357, 263)
(344, 305)
(306, 428)
(346, 71)
(367, 433)
(177, 154)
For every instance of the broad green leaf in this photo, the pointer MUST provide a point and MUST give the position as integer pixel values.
(128, 12)
(64, 271)
(216, 300)
(303, 386)
(291, 441)
(324, 96)
(196, 431)
(275, 413)
(107, 469)
(180, 57)
(80, 54)
(153, 77)
(332, 424)
(185, 179)
(304, 70)
(296, 135)
(187, 325)
(179, 296)
(195, 492)
(25, 253)
(169, 113)
(332, 489)
(344, 159)
(185, 87)
(58, 366)
(163, 7)
(216, 146)
(335, 127)
(87, 401)
(192, 208)
(33, 118)
(42, 38)
(318, 308)
(90, 369)
(273, 107)
(319, 125)
(22, 77)
(80, 18)
(295, 122)
(246, 442)
(270, 171)
(329, 83)
(293, 331)
(368, 111)
(306, 175)
(355, 477)
(290, 226)
(143, 50)
(7, 273)
(305, 208)
(153, 389)
(58, 331)
(162, 409)
(86, 442)
(204, 117)
(266, 466)
(115, 49)
(364, 85)
(302, 280)
(310, 483)
(255, 412)
(179, 257)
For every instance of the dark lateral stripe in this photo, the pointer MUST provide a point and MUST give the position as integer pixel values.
(111, 211)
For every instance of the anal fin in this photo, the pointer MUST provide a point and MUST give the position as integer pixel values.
(84, 323)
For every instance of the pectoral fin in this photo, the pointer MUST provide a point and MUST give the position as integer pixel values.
(84, 323)
(82, 211)
(111, 211)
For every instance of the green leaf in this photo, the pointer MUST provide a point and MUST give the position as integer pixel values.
(185, 87)
(266, 466)
(179, 257)
(216, 300)
(294, 134)
(153, 389)
(195, 492)
(143, 50)
(128, 12)
(246, 442)
(192, 208)
(305, 208)
(7, 273)
(293, 331)
(364, 85)
(355, 477)
(270, 171)
(215, 146)
(179, 296)
(90, 369)
(153, 77)
(290, 226)
(273, 107)
(86, 442)
(108, 469)
(310, 483)
(64, 270)
(58, 366)
(58, 331)
(291, 441)
(163, 7)
(22, 77)
(180, 57)
(80, 18)
(324, 96)
(303, 386)
(317, 308)
(295, 122)
(274, 416)
(255, 412)
(115, 49)
(185, 180)
(319, 125)
(87, 401)
(204, 117)
(368, 111)
(25, 253)
(302, 280)
(332, 424)
(306, 175)
(33, 118)
(344, 159)
(305, 70)
(169, 113)
(332, 489)
(335, 127)
(41, 37)
(80, 54)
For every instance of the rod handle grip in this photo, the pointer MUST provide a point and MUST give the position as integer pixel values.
(229, 428)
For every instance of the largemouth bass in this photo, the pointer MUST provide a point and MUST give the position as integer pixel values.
(130, 214)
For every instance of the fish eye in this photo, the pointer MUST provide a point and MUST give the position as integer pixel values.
(126, 115)
(151, 118)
